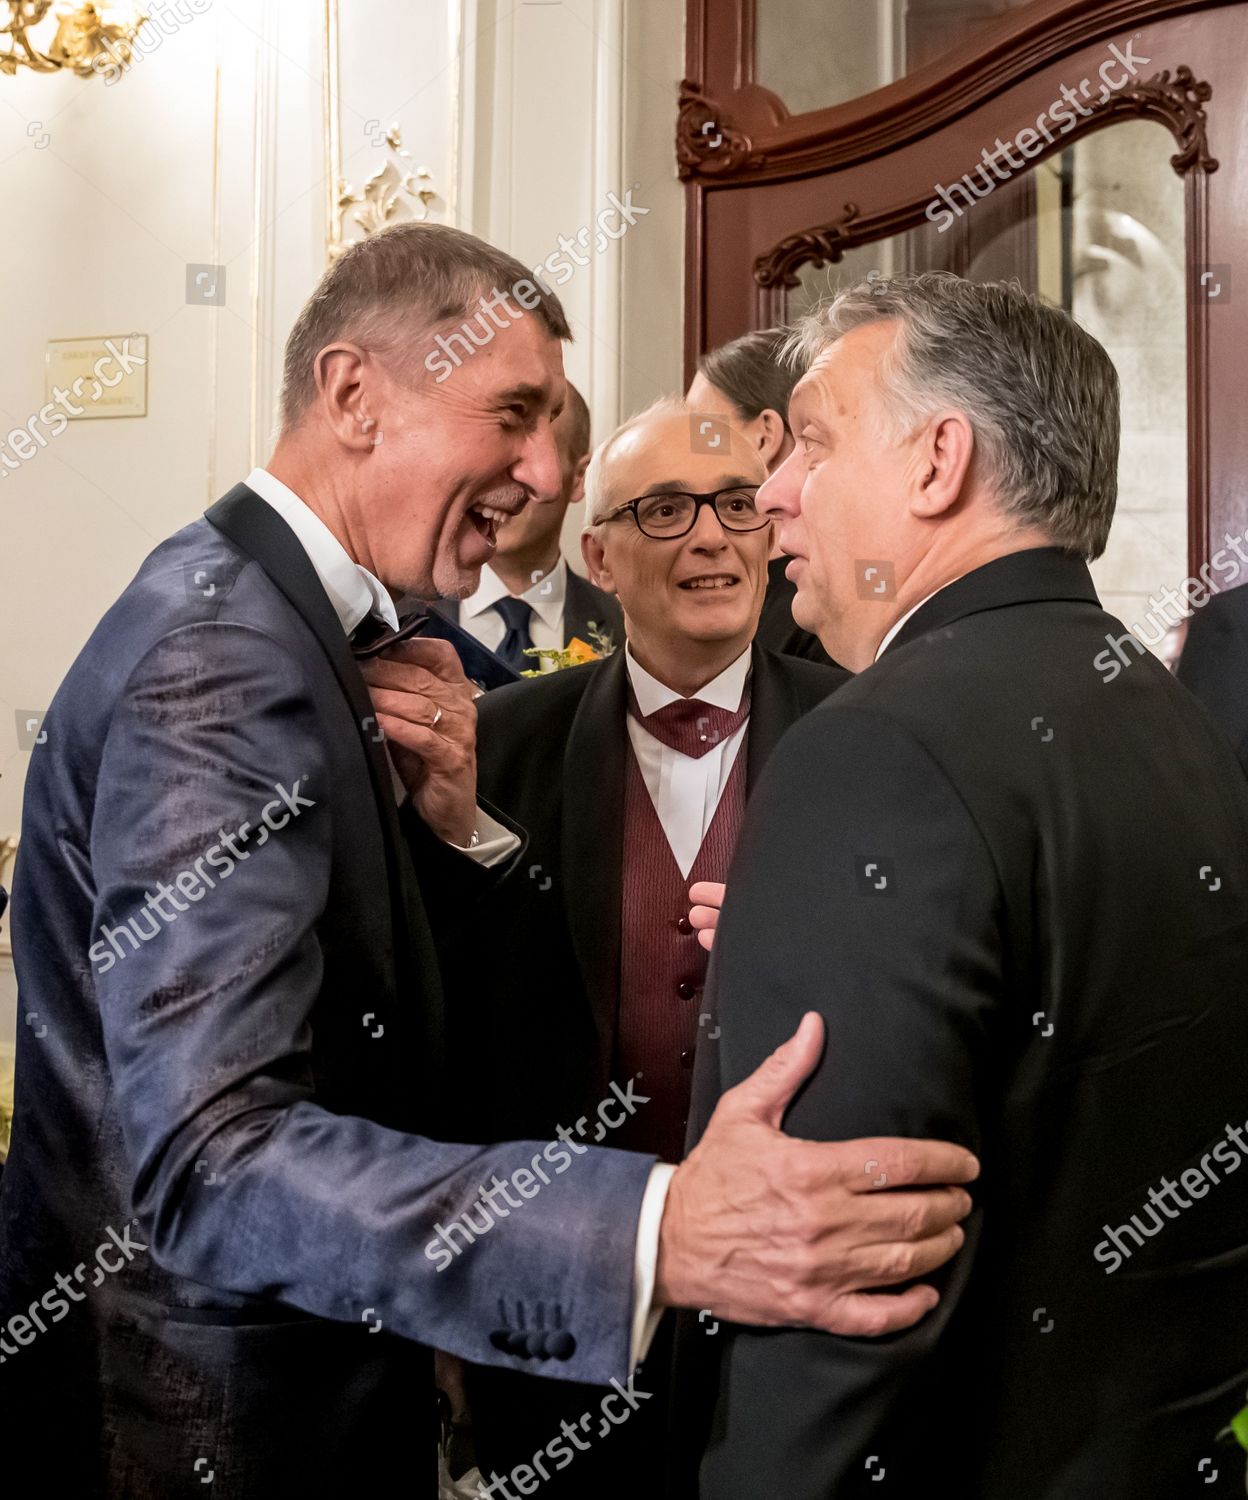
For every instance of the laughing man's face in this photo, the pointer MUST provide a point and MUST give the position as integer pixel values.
(455, 454)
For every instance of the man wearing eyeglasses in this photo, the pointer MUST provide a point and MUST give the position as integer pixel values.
(631, 776)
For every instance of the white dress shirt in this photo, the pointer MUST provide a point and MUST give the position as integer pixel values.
(481, 620)
(893, 629)
(686, 790)
(355, 593)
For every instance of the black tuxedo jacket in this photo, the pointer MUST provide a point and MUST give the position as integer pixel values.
(1214, 663)
(536, 1006)
(584, 604)
(1018, 895)
(533, 1004)
(226, 1164)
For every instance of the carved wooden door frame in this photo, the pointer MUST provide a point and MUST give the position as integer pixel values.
(767, 192)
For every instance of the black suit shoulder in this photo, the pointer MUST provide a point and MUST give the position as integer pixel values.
(1229, 609)
(527, 723)
(967, 678)
(520, 722)
(1214, 664)
(587, 610)
(812, 681)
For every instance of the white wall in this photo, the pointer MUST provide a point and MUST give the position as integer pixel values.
(212, 150)
(215, 149)
(562, 104)
(207, 151)
(110, 191)
(652, 317)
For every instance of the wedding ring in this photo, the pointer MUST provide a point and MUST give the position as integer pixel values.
(436, 719)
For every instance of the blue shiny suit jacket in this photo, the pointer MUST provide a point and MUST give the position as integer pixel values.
(218, 1226)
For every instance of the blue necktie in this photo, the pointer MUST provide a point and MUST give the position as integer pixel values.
(516, 615)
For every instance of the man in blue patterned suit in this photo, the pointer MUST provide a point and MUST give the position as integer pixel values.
(229, 1235)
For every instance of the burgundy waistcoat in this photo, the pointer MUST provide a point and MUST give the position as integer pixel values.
(662, 964)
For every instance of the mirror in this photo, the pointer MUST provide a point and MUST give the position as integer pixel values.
(815, 53)
(1099, 230)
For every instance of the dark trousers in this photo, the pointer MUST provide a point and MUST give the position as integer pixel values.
(587, 1440)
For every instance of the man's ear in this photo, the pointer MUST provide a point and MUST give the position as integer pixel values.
(771, 434)
(341, 372)
(943, 457)
(595, 555)
(578, 480)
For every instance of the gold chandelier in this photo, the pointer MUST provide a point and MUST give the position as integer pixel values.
(83, 35)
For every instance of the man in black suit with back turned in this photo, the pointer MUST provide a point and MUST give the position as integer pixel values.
(528, 595)
(1027, 928)
(631, 777)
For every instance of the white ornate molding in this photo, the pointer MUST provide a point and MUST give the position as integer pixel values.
(389, 115)
(270, 179)
(532, 164)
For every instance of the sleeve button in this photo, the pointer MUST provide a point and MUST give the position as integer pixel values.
(561, 1344)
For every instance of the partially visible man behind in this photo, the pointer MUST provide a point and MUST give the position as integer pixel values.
(748, 382)
(631, 777)
(528, 595)
(1214, 663)
(1032, 932)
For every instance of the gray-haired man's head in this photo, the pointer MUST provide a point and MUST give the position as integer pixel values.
(940, 422)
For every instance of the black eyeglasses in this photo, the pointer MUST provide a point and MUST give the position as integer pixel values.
(670, 515)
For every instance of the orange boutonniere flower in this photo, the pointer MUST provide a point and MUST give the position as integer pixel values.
(575, 654)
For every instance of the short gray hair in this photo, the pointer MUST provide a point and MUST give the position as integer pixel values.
(386, 290)
(1040, 392)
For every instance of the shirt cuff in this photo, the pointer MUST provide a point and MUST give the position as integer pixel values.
(494, 844)
(646, 1262)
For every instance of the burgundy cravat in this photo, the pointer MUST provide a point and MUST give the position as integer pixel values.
(691, 726)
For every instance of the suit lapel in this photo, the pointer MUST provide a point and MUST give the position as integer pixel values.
(774, 706)
(258, 530)
(593, 841)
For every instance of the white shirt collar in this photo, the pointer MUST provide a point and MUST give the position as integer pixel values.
(893, 629)
(724, 691)
(546, 596)
(353, 591)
